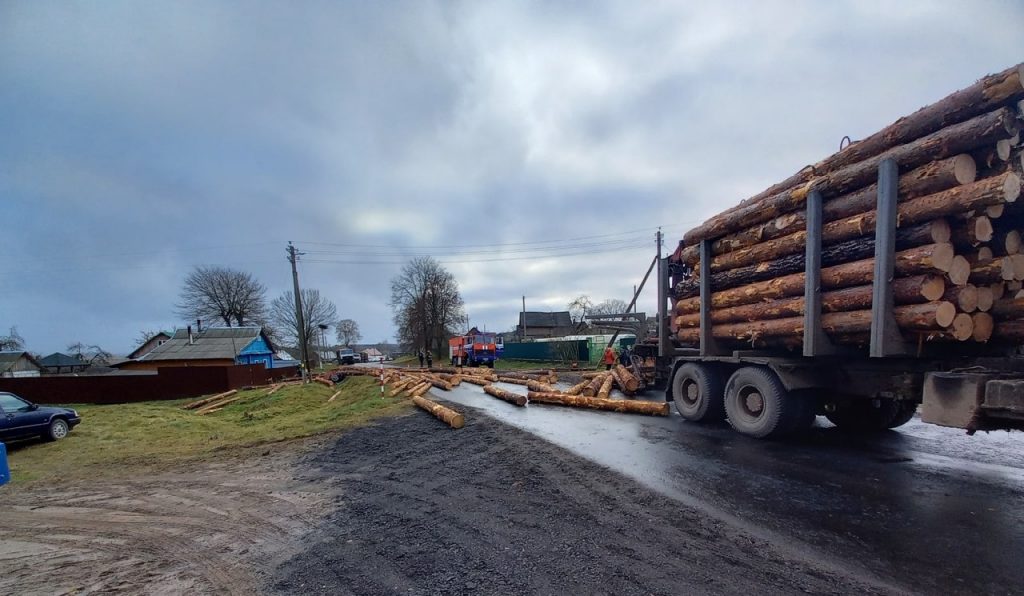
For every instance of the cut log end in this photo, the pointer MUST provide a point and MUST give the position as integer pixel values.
(965, 169)
(962, 327)
(983, 325)
(1011, 187)
(945, 314)
(984, 254)
(959, 270)
(1012, 242)
(985, 298)
(942, 256)
(933, 287)
(983, 229)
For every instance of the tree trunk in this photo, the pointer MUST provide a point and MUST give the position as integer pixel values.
(595, 385)
(906, 290)
(946, 142)
(627, 381)
(541, 387)
(909, 262)
(451, 417)
(921, 259)
(615, 405)
(929, 178)
(578, 388)
(510, 397)
(917, 317)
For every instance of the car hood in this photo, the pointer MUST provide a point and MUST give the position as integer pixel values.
(52, 410)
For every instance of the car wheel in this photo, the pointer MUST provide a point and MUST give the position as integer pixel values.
(57, 430)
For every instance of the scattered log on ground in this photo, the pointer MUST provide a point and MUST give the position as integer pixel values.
(217, 405)
(512, 398)
(323, 381)
(578, 388)
(449, 416)
(541, 387)
(595, 385)
(336, 394)
(513, 380)
(274, 388)
(606, 387)
(615, 405)
(627, 381)
(477, 380)
(202, 402)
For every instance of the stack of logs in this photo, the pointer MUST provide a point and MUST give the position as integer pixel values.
(959, 267)
(593, 392)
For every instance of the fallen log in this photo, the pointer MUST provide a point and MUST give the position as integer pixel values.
(629, 383)
(632, 406)
(513, 380)
(336, 394)
(541, 387)
(947, 142)
(449, 416)
(324, 382)
(274, 388)
(217, 405)
(594, 386)
(420, 389)
(606, 387)
(477, 380)
(202, 402)
(929, 178)
(906, 290)
(510, 397)
(578, 388)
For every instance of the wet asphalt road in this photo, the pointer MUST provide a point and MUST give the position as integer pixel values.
(922, 508)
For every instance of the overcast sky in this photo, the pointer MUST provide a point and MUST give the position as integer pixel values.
(533, 148)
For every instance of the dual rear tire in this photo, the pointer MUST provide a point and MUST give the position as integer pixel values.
(754, 400)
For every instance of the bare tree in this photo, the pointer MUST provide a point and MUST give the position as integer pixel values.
(91, 353)
(348, 332)
(316, 310)
(11, 342)
(580, 307)
(426, 304)
(222, 294)
(612, 306)
(144, 336)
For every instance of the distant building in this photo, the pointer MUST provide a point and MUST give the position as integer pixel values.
(150, 345)
(544, 324)
(59, 363)
(371, 355)
(215, 346)
(18, 364)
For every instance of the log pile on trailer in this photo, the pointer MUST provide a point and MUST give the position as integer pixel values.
(953, 173)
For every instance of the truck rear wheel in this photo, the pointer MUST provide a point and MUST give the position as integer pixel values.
(759, 406)
(905, 414)
(697, 393)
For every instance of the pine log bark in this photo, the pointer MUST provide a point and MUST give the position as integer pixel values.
(906, 290)
(449, 416)
(988, 93)
(909, 262)
(1011, 331)
(512, 398)
(993, 272)
(1000, 189)
(477, 380)
(541, 387)
(594, 386)
(927, 179)
(630, 383)
(912, 261)
(982, 130)
(606, 388)
(578, 388)
(916, 317)
(974, 232)
(630, 406)
(513, 380)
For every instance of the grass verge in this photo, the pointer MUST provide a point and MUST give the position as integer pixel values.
(156, 433)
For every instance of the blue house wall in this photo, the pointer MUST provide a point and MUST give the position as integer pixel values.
(257, 352)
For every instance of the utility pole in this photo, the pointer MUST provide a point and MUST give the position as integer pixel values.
(293, 256)
(524, 318)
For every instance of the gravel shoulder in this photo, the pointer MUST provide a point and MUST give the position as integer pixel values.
(489, 509)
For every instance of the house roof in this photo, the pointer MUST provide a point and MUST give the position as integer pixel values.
(9, 359)
(59, 360)
(215, 343)
(371, 352)
(546, 319)
(165, 335)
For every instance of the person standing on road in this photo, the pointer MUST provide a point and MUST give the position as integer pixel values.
(420, 356)
(609, 358)
(430, 360)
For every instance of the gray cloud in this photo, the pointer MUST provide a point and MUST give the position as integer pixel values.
(138, 140)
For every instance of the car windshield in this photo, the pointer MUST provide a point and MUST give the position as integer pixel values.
(11, 403)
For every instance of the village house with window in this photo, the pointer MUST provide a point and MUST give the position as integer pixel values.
(214, 346)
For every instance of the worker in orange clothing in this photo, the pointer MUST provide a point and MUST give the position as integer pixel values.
(609, 358)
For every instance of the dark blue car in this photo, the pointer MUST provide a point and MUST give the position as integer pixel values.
(20, 418)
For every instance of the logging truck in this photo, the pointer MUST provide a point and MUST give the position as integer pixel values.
(886, 277)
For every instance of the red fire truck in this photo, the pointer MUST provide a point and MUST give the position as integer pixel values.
(475, 348)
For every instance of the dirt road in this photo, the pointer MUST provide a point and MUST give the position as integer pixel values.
(214, 527)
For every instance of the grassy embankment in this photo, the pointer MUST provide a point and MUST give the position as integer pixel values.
(161, 433)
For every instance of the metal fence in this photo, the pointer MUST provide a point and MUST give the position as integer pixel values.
(553, 351)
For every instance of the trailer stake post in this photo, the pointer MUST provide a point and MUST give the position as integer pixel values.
(708, 345)
(886, 339)
(816, 342)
